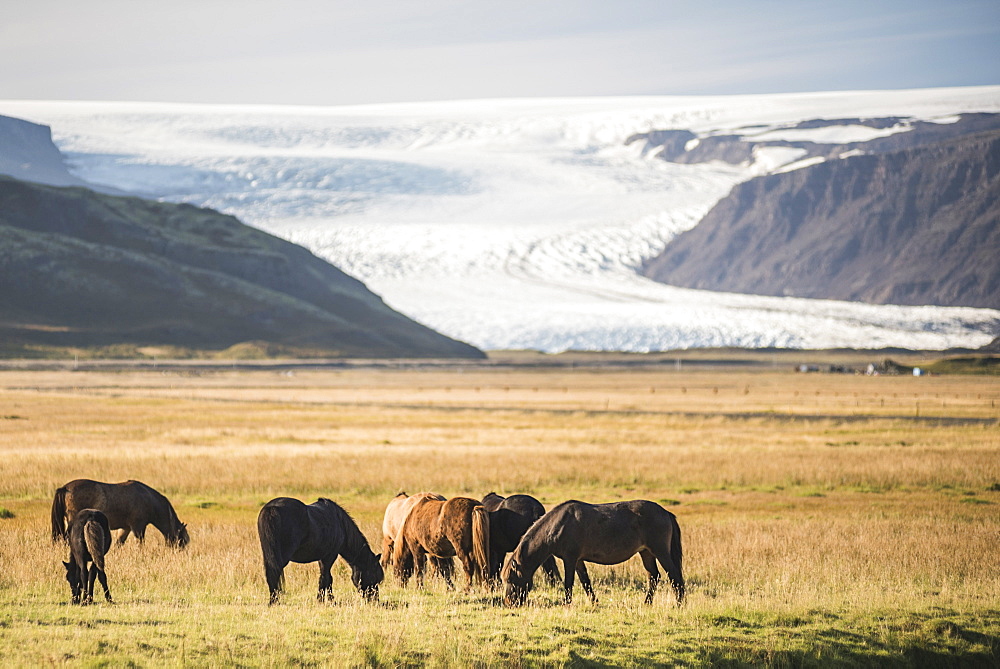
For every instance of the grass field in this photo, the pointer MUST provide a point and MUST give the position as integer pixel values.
(828, 519)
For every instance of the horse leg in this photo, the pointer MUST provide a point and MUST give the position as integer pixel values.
(674, 573)
(387, 546)
(649, 562)
(419, 564)
(325, 580)
(98, 573)
(581, 571)
(273, 574)
(103, 577)
(91, 576)
(496, 563)
(469, 563)
(569, 565)
(445, 568)
(551, 571)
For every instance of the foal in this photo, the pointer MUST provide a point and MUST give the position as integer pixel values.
(89, 541)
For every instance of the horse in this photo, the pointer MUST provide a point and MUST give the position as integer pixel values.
(444, 529)
(395, 513)
(291, 531)
(510, 518)
(129, 506)
(89, 541)
(579, 532)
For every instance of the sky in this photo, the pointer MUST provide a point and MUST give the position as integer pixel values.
(334, 52)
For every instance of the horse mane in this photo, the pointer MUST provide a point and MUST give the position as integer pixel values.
(354, 540)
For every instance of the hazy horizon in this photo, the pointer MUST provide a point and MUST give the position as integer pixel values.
(306, 52)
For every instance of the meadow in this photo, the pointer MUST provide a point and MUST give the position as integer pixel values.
(827, 519)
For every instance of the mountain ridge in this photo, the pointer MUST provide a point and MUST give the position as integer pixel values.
(916, 226)
(84, 268)
(519, 224)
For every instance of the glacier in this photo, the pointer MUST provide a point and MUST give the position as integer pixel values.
(510, 224)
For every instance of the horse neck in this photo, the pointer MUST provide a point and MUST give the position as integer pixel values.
(532, 551)
(166, 520)
(355, 544)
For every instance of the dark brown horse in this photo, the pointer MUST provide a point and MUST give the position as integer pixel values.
(291, 531)
(602, 533)
(510, 518)
(89, 541)
(129, 506)
(458, 527)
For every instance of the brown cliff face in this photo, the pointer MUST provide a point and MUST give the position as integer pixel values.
(918, 226)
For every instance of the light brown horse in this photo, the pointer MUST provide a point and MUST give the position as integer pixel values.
(129, 506)
(443, 529)
(395, 513)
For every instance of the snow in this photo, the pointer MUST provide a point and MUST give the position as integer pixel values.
(836, 134)
(507, 223)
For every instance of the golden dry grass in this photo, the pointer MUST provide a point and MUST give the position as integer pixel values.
(825, 519)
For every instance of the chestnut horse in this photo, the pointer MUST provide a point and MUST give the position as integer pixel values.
(395, 513)
(129, 506)
(444, 529)
(602, 533)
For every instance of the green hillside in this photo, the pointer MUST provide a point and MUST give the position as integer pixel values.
(83, 269)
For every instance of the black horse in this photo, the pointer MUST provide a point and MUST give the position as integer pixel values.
(89, 537)
(291, 531)
(510, 518)
(603, 533)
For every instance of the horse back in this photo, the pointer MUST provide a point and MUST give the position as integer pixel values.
(122, 503)
(90, 536)
(457, 515)
(399, 509)
(283, 525)
(422, 525)
(492, 501)
(390, 521)
(83, 494)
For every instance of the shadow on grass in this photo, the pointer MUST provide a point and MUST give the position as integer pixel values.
(923, 641)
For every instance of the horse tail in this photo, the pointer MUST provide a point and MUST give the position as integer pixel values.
(96, 539)
(59, 515)
(481, 541)
(269, 529)
(677, 557)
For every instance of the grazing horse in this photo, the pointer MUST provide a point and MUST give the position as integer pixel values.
(89, 541)
(395, 513)
(603, 533)
(510, 518)
(291, 531)
(444, 529)
(129, 506)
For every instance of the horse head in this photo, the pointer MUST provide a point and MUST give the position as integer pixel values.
(517, 583)
(366, 575)
(179, 537)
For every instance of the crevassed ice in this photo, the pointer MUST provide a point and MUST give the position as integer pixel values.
(507, 224)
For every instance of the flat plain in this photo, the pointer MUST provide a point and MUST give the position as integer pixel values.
(827, 519)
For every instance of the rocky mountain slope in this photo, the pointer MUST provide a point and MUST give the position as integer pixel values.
(79, 268)
(913, 227)
(27, 152)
